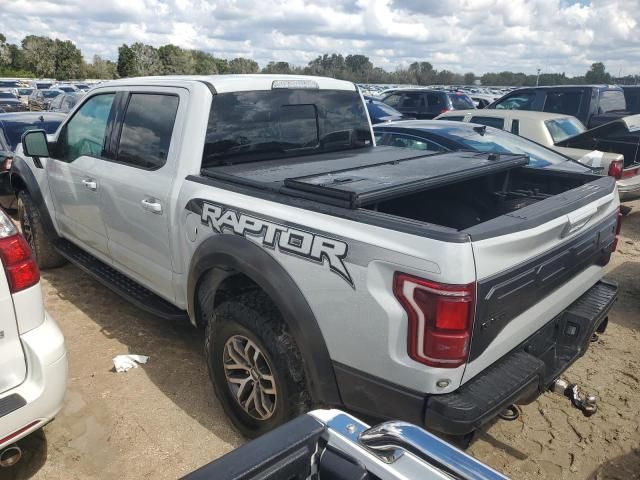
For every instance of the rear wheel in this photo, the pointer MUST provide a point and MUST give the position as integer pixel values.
(254, 364)
(35, 233)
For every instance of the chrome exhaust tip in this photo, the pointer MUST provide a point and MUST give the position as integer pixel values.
(10, 456)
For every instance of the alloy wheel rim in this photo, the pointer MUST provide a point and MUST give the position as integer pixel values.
(250, 377)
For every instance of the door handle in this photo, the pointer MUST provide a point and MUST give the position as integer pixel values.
(152, 205)
(90, 183)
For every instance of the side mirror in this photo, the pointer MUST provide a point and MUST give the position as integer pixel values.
(34, 144)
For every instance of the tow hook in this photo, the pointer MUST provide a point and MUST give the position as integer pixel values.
(585, 402)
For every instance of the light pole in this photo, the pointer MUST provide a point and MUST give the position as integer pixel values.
(538, 77)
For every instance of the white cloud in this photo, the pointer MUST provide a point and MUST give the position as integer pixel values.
(459, 35)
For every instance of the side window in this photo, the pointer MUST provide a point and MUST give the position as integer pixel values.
(393, 100)
(436, 102)
(413, 101)
(406, 141)
(515, 126)
(563, 102)
(146, 130)
(518, 101)
(611, 100)
(489, 122)
(85, 132)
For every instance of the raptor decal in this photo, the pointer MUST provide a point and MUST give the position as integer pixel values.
(289, 240)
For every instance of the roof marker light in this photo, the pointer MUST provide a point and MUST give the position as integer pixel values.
(295, 84)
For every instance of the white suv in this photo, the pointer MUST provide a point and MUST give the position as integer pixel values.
(33, 358)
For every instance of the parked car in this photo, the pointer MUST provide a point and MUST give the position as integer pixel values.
(591, 104)
(380, 112)
(82, 86)
(424, 103)
(481, 100)
(41, 85)
(632, 97)
(40, 100)
(23, 94)
(620, 136)
(553, 130)
(33, 359)
(447, 136)
(13, 125)
(257, 207)
(65, 87)
(333, 445)
(64, 103)
(10, 102)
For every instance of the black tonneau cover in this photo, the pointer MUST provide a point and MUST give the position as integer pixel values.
(353, 179)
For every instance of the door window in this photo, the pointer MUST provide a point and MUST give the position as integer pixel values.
(563, 102)
(147, 129)
(436, 103)
(519, 101)
(85, 132)
(413, 102)
(489, 121)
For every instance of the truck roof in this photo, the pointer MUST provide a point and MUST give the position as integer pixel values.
(234, 83)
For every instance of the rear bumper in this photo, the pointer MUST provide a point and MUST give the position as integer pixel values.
(518, 377)
(38, 399)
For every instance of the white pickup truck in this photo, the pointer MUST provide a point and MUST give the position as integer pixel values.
(325, 270)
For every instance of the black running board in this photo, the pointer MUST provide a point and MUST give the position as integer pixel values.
(121, 284)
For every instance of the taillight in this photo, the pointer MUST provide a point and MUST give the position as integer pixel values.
(615, 169)
(19, 266)
(630, 172)
(440, 319)
(445, 110)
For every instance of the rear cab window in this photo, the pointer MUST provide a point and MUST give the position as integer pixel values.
(488, 121)
(262, 125)
(611, 101)
(562, 128)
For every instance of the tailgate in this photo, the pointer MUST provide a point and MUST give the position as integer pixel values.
(12, 362)
(555, 251)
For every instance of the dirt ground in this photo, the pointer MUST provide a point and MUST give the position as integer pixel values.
(161, 421)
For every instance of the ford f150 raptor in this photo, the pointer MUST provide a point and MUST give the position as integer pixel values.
(436, 289)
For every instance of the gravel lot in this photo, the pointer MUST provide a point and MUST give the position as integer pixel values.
(162, 420)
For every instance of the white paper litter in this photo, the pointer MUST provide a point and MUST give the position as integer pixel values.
(122, 363)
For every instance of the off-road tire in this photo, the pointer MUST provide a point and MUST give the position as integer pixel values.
(253, 315)
(32, 228)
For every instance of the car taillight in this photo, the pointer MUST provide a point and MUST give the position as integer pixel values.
(19, 265)
(445, 110)
(630, 172)
(440, 319)
(615, 169)
(614, 245)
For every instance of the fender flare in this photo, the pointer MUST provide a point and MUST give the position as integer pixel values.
(230, 252)
(20, 170)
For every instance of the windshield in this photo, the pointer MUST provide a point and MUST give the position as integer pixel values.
(562, 128)
(13, 131)
(266, 124)
(25, 91)
(498, 141)
(50, 93)
(379, 109)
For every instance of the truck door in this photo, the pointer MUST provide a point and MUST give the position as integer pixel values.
(136, 185)
(75, 189)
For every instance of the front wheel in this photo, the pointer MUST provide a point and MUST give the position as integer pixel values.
(255, 365)
(35, 233)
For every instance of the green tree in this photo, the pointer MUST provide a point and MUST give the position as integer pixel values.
(126, 61)
(469, 78)
(68, 60)
(421, 73)
(327, 65)
(204, 63)
(146, 60)
(597, 74)
(359, 67)
(277, 67)
(39, 55)
(101, 69)
(175, 60)
(5, 53)
(243, 65)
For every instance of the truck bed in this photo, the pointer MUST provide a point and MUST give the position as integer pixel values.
(354, 180)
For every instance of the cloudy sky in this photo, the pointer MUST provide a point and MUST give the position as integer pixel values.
(460, 35)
